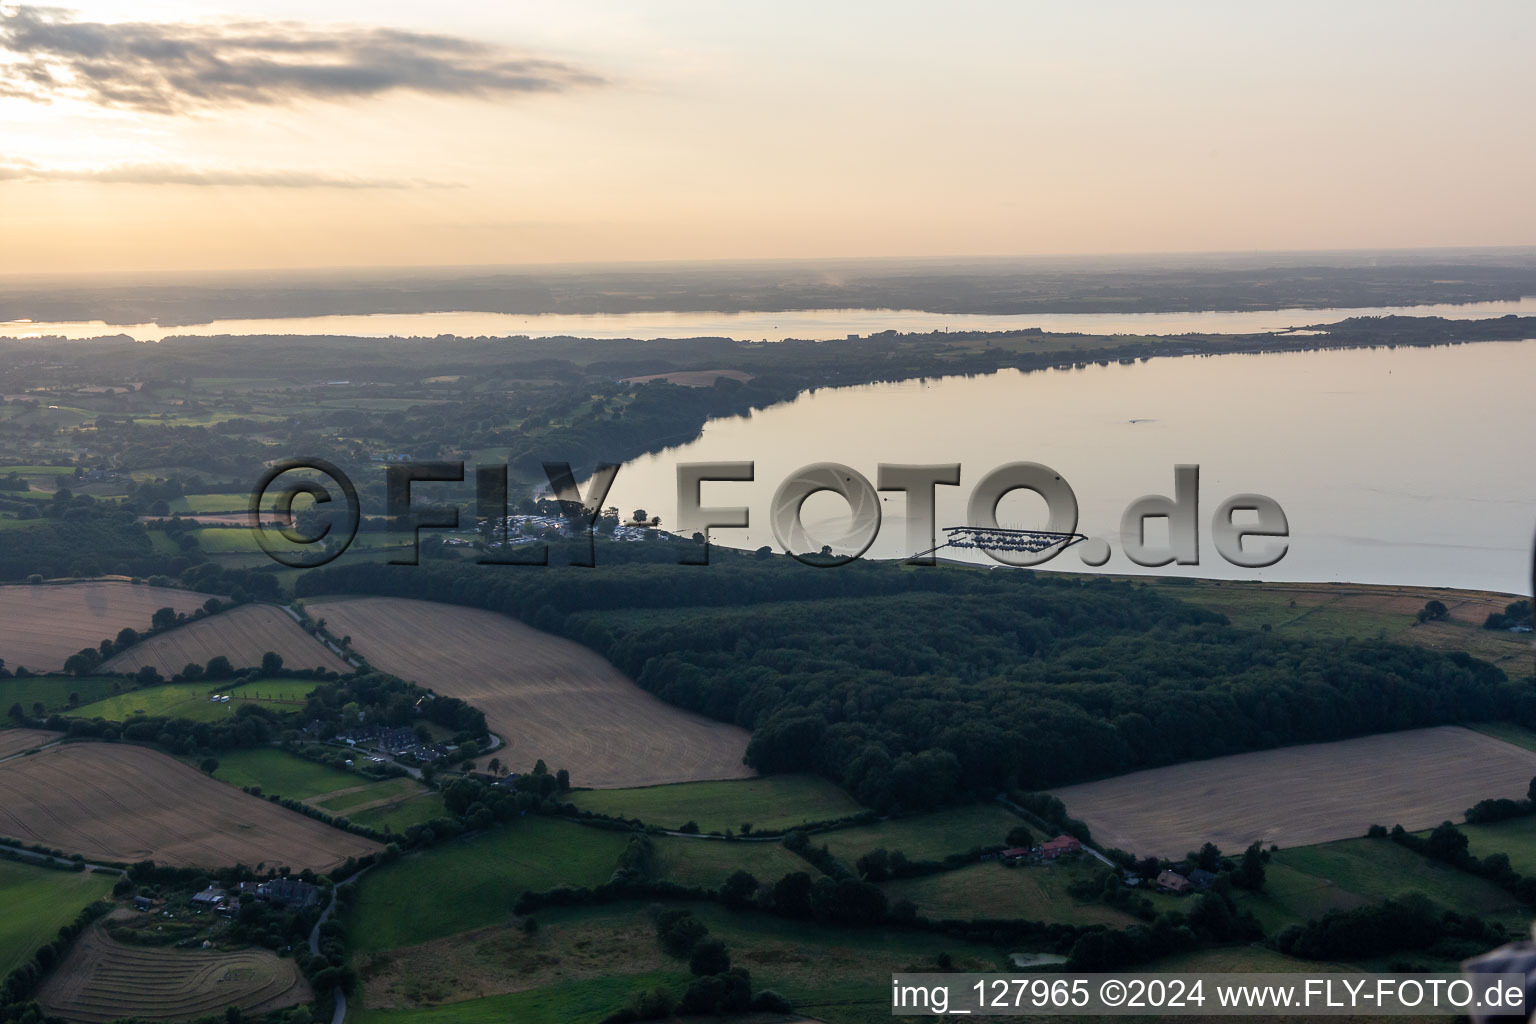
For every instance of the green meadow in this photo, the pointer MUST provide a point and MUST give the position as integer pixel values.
(52, 692)
(709, 862)
(402, 814)
(1036, 892)
(38, 902)
(473, 882)
(774, 802)
(925, 836)
(1304, 883)
(283, 774)
(582, 1001)
(191, 700)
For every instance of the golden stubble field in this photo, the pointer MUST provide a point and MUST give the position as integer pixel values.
(1297, 796)
(42, 625)
(102, 980)
(118, 802)
(241, 634)
(546, 697)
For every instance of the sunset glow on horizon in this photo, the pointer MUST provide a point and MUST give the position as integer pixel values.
(168, 135)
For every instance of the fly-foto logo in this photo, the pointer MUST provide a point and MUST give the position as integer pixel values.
(1248, 530)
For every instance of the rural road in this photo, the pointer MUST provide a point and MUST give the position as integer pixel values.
(314, 944)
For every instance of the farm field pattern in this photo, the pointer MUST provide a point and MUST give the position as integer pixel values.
(125, 803)
(544, 696)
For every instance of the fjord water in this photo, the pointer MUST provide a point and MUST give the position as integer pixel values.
(1406, 465)
(816, 324)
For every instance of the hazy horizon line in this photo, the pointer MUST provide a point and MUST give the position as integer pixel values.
(751, 261)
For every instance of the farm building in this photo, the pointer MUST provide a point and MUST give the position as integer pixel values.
(1172, 881)
(1062, 844)
(1016, 854)
(210, 896)
(1201, 878)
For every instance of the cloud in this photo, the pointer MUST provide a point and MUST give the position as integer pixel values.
(171, 68)
(181, 174)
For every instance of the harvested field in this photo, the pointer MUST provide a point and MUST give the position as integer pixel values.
(241, 634)
(1297, 796)
(117, 802)
(14, 741)
(544, 696)
(101, 980)
(40, 626)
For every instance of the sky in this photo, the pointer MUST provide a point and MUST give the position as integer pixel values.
(174, 135)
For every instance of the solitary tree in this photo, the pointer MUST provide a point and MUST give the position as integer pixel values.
(1434, 611)
(1250, 871)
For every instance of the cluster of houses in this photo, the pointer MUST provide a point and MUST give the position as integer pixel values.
(289, 893)
(1049, 850)
(396, 742)
(524, 527)
(1169, 881)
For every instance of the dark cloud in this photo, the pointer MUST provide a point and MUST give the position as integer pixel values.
(176, 68)
(179, 174)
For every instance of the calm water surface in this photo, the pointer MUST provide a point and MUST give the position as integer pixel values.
(806, 323)
(1411, 466)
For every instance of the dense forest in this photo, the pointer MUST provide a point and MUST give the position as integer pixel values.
(912, 687)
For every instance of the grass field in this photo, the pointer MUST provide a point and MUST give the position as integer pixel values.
(1296, 796)
(281, 773)
(42, 625)
(709, 862)
(238, 539)
(201, 504)
(1516, 838)
(546, 697)
(573, 1002)
(116, 802)
(1305, 882)
(402, 814)
(1251, 959)
(38, 902)
(53, 692)
(391, 791)
(190, 700)
(925, 836)
(472, 883)
(836, 974)
(1339, 610)
(101, 980)
(773, 802)
(241, 634)
(1033, 893)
